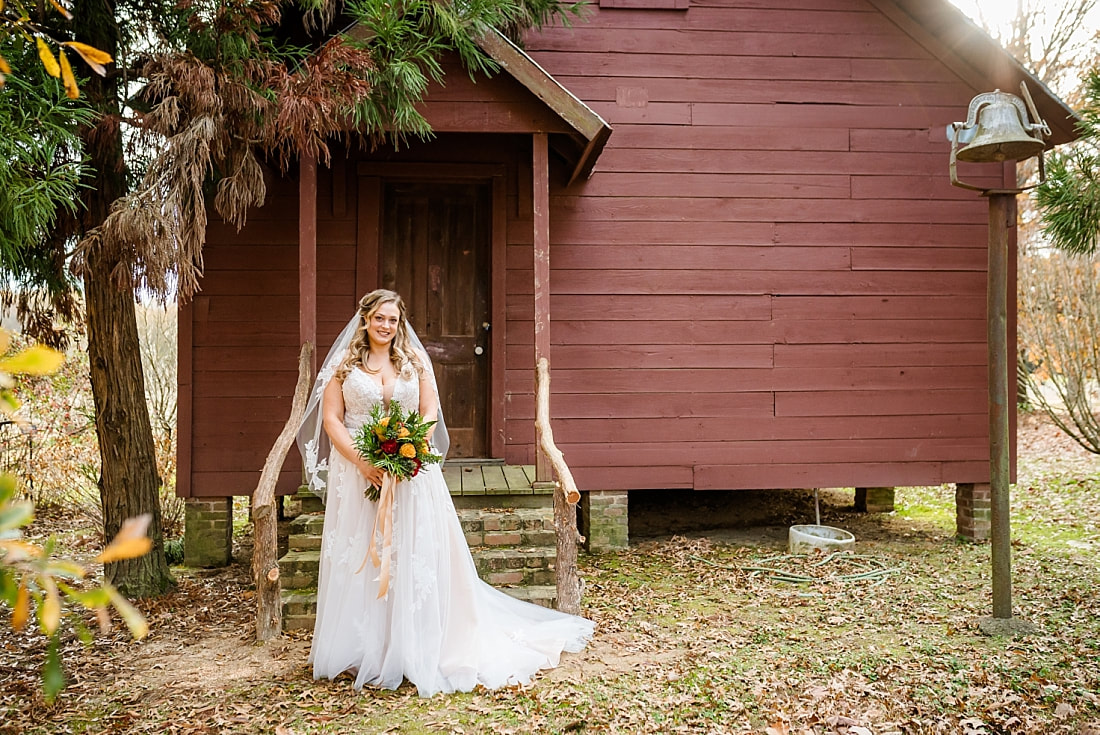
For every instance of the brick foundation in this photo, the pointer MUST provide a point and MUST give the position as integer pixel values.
(874, 499)
(604, 520)
(972, 511)
(208, 532)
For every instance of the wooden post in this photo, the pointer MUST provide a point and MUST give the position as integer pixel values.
(265, 567)
(566, 496)
(540, 206)
(307, 253)
(1000, 209)
(1002, 217)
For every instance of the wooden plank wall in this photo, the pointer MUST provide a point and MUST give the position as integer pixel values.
(245, 329)
(245, 321)
(768, 281)
(244, 342)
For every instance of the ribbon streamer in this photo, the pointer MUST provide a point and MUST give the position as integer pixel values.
(383, 526)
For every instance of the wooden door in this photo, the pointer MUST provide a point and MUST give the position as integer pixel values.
(435, 243)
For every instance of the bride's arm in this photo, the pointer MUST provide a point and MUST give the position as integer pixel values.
(429, 401)
(332, 411)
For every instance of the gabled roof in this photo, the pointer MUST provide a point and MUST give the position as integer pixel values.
(592, 131)
(949, 35)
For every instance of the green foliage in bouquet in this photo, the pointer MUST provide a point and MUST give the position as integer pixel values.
(395, 442)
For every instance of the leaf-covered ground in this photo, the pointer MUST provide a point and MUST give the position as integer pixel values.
(688, 640)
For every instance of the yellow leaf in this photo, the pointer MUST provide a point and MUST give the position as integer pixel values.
(22, 609)
(36, 360)
(59, 8)
(16, 551)
(71, 89)
(92, 56)
(51, 606)
(48, 59)
(131, 540)
(90, 52)
(65, 568)
(135, 621)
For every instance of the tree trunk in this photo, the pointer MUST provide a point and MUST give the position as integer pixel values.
(129, 484)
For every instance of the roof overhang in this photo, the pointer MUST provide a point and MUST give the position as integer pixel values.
(948, 34)
(585, 132)
(590, 130)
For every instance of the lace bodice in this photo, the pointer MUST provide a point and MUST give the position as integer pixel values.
(362, 393)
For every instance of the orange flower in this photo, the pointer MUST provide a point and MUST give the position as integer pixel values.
(402, 433)
(380, 428)
(408, 450)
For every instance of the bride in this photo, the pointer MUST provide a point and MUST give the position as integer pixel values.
(433, 621)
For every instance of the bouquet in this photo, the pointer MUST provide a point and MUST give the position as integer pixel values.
(395, 442)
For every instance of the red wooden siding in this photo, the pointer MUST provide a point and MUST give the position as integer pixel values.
(768, 281)
(245, 321)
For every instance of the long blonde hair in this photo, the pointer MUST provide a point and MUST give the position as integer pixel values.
(402, 353)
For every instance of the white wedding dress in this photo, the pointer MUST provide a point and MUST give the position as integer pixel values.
(439, 625)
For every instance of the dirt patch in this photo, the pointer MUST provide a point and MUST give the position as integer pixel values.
(217, 660)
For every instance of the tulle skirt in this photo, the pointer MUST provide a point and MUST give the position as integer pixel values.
(439, 625)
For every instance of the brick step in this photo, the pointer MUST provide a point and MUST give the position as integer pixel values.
(299, 568)
(545, 595)
(508, 527)
(530, 566)
(308, 502)
(482, 527)
(299, 609)
(305, 531)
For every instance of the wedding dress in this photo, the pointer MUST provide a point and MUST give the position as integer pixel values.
(438, 625)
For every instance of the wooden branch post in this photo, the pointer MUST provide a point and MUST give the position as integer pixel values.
(566, 496)
(265, 567)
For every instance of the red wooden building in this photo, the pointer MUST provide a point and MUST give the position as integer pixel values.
(728, 224)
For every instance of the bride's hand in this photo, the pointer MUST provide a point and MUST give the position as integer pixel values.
(372, 474)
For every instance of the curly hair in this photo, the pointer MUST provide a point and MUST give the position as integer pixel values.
(402, 353)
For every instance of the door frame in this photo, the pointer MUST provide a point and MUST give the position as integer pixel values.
(367, 269)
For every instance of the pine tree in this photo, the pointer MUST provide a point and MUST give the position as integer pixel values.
(1070, 197)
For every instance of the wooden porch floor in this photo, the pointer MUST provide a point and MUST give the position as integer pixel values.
(490, 478)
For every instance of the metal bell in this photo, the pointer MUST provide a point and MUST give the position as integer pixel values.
(997, 128)
(1003, 131)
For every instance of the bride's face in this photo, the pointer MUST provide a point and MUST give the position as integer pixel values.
(382, 325)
